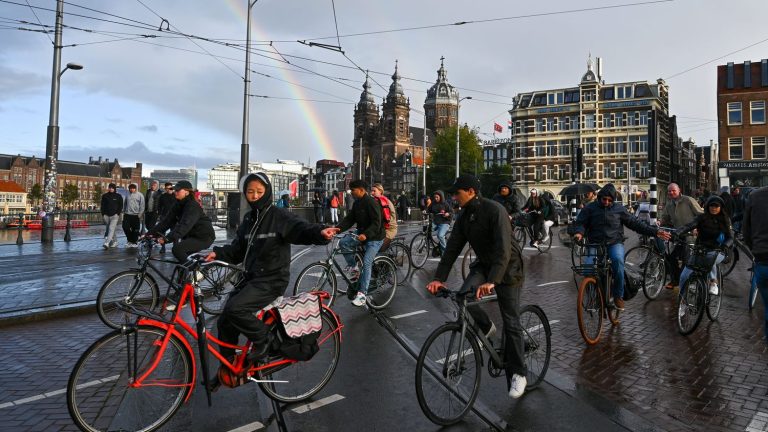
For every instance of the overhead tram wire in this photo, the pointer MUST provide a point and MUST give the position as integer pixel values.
(716, 59)
(299, 99)
(38, 20)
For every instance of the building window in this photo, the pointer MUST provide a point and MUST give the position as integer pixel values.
(540, 149)
(758, 148)
(571, 96)
(589, 121)
(624, 92)
(562, 172)
(565, 147)
(757, 112)
(734, 113)
(735, 149)
(607, 171)
(589, 173)
(550, 173)
(551, 148)
(559, 98)
(551, 99)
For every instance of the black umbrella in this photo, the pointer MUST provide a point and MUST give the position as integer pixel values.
(579, 189)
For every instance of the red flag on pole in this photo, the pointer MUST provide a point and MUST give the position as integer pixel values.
(293, 188)
(497, 127)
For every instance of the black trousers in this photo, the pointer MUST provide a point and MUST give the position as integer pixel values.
(150, 219)
(131, 227)
(185, 247)
(509, 305)
(239, 317)
(678, 253)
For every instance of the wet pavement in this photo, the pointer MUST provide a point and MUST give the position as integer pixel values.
(642, 375)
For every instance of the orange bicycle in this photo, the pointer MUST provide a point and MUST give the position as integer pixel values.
(594, 299)
(137, 377)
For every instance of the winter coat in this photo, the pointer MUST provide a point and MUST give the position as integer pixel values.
(186, 219)
(485, 225)
(152, 200)
(165, 203)
(681, 211)
(366, 214)
(755, 225)
(441, 211)
(111, 204)
(602, 224)
(509, 202)
(134, 204)
(728, 203)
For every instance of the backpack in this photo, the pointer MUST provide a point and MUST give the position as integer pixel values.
(334, 202)
(386, 213)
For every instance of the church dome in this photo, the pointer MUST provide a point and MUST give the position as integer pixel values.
(441, 91)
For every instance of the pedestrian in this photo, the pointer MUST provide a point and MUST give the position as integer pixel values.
(133, 214)
(679, 211)
(317, 206)
(165, 204)
(728, 203)
(756, 238)
(198, 197)
(442, 214)
(484, 224)
(325, 203)
(402, 207)
(349, 201)
(738, 208)
(111, 209)
(334, 204)
(152, 199)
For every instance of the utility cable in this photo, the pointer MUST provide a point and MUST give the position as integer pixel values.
(38, 19)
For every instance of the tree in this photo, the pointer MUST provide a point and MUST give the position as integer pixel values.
(70, 194)
(492, 177)
(442, 160)
(36, 194)
(97, 193)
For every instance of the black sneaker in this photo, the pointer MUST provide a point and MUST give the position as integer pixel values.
(259, 353)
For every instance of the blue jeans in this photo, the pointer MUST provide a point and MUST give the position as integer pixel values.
(761, 279)
(441, 230)
(686, 273)
(348, 246)
(616, 253)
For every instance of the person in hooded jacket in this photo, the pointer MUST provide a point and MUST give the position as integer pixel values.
(603, 222)
(263, 245)
(506, 197)
(191, 229)
(541, 210)
(441, 213)
(714, 233)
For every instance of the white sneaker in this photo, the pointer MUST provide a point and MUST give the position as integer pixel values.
(714, 289)
(199, 276)
(113, 245)
(106, 245)
(517, 386)
(545, 239)
(359, 299)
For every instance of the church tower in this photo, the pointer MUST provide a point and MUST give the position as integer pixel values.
(394, 130)
(366, 119)
(441, 102)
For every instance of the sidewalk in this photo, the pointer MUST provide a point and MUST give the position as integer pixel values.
(45, 280)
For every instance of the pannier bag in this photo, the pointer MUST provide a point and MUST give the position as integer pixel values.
(301, 326)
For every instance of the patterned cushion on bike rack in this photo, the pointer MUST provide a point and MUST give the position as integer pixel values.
(300, 314)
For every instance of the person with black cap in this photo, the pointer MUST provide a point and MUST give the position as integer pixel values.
(263, 246)
(190, 228)
(111, 209)
(499, 266)
(603, 222)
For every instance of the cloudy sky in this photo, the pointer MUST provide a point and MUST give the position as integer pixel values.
(173, 101)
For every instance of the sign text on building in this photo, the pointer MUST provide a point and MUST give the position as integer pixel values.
(742, 164)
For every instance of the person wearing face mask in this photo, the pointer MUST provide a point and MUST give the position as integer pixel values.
(263, 246)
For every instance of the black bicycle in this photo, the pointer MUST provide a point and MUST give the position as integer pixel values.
(524, 230)
(137, 287)
(425, 244)
(695, 297)
(450, 363)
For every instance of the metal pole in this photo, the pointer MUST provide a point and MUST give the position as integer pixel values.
(244, 148)
(629, 173)
(458, 106)
(67, 234)
(52, 137)
(424, 156)
(652, 157)
(19, 239)
(360, 167)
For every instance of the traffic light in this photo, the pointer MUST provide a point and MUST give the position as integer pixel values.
(579, 159)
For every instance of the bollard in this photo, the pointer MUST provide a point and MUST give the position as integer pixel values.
(19, 239)
(67, 235)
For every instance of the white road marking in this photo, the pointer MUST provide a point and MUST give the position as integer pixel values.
(453, 357)
(249, 427)
(317, 404)
(408, 314)
(533, 248)
(433, 259)
(56, 392)
(300, 253)
(551, 283)
(759, 422)
(536, 327)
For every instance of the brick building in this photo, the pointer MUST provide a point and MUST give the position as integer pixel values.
(13, 198)
(742, 91)
(28, 171)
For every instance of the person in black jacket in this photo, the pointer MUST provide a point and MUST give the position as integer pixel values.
(603, 222)
(714, 233)
(111, 209)
(152, 200)
(367, 215)
(263, 245)
(164, 205)
(191, 228)
(541, 211)
(499, 266)
(506, 197)
(441, 213)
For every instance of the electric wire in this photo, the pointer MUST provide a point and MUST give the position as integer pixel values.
(38, 20)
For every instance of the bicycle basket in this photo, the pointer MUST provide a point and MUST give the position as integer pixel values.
(522, 220)
(701, 260)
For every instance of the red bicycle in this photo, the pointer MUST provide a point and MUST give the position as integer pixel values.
(137, 377)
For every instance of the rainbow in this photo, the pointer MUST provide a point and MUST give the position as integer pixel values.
(307, 110)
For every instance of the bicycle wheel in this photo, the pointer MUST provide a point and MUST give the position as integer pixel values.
(217, 284)
(100, 395)
(306, 378)
(469, 258)
(447, 382)
(544, 247)
(577, 251)
(130, 287)
(420, 250)
(401, 256)
(317, 277)
(538, 345)
(342, 288)
(519, 236)
(590, 310)
(635, 261)
(729, 263)
(714, 302)
(383, 285)
(691, 305)
(654, 276)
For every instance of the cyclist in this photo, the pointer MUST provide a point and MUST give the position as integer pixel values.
(485, 225)
(441, 213)
(603, 221)
(191, 228)
(506, 197)
(541, 210)
(756, 238)
(366, 214)
(263, 245)
(377, 191)
(165, 204)
(714, 232)
(679, 211)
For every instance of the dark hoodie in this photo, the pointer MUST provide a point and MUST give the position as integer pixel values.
(441, 211)
(186, 219)
(509, 202)
(605, 224)
(263, 241)
(710, 227)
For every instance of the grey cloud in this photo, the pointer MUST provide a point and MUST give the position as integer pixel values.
(149, 128)
(14, 82)
(140, 152)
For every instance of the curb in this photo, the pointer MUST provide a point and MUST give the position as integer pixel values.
(44, 313)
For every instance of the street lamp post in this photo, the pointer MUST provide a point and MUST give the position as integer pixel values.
(458, 127)
(52, 136)
(244, 156)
